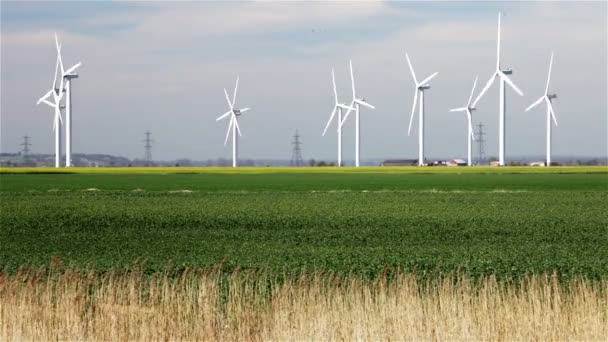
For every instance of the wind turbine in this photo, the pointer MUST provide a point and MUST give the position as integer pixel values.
(550, 114)
(502, 74)
(338, 107)
(68, 75)
(420, 88)
(469, 110)
(355, 105)
(234, 124)
(57, 95)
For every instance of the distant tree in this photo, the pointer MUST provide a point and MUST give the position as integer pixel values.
(322, 163)
(312, 162)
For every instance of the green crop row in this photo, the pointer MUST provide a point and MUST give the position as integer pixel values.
(507, 232)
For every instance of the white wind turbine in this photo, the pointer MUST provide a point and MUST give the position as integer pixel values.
(56, 104)
(468, 109)
(234, 124)
(355, 105)
(502, 74)
(550, 114)
(68, 75)
(420, 88)
(338, 107)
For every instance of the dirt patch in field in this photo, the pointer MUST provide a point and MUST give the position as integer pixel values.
(184, 191)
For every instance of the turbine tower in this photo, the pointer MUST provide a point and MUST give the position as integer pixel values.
(67, 75)
(355, 105)
(57, 94)
(468, 109)
(234, 124)
(419, 90)
(338, 107)
(550, 114)
(502, 74)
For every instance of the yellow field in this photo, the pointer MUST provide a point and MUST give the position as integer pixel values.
(77, 305)
(283, 169)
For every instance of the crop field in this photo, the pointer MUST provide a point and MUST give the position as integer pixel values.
(344, 220)
(304, 253)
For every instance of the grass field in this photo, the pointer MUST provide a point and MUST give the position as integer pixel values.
(349, 221)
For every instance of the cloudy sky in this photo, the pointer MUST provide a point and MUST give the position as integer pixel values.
(162, 66)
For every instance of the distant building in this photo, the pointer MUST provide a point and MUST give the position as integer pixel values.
(456, 162)
(537, 163)
(399, 162)
(439, 163)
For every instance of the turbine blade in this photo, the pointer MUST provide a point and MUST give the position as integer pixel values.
(469, 119)
(426, 80)
(333, 79)
(236, 124)
(56, 74)
(485, 88)
(58, 113)
(228, 100)
(352, 78)
(498, 45)
(49, 103)
(228, 131)
(350, 109)
(73, 68)
(223, 116)
(508, 80)
(58, 46)
(552, 112)
(236, 88)
(461, 109)
(243, 110)
(472, 91)
(361, 102)
(45, 97)
(411, 68)
(329, 121)
(549, 75)
(540, 99)
(413, 110)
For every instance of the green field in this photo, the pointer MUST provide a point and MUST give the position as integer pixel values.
(504, 221)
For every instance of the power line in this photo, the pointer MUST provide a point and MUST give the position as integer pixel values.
(26, 146)
(479, 137)
(296, 155)
(148, 147)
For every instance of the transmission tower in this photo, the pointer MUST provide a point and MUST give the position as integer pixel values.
(479, 137)
(296, 155)
(26, 146)
(148, 147)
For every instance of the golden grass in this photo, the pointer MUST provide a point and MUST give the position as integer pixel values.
(281, 169)
(201, 305)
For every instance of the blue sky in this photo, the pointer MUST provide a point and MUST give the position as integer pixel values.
(163, 66)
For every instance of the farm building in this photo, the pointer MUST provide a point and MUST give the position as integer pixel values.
(456, 162)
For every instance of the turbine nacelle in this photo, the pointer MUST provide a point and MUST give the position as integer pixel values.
(420, 87)
(507, 71)
(356, 100)
(547, 97)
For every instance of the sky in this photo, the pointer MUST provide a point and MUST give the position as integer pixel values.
(162, 66)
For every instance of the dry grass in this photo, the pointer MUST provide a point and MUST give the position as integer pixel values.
(203, 305)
